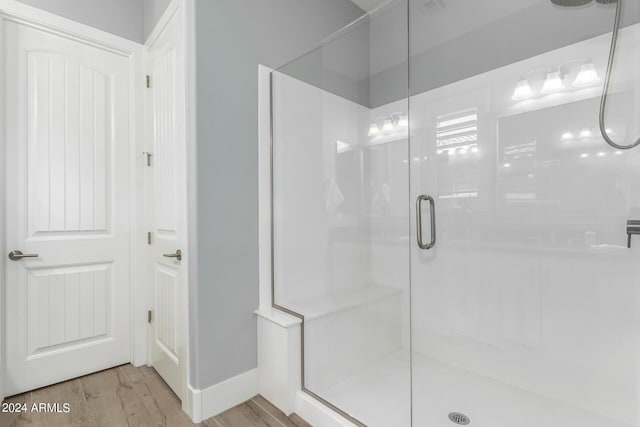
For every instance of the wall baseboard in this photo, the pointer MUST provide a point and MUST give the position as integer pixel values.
(222, 396)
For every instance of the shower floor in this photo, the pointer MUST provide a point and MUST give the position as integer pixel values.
(378, 395)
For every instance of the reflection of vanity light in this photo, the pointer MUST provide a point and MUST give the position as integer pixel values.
(618, 152)
(601, 154)
(553, 83)
(474, 149)
(405, 161)
(585, 133)
(416, 159)
(463, 151)
(531, 175)
(373, 129)
(451, 153)
(587, 76)
(567, 135)
(440, 151)
(387, 126)
(507, 165)
(584, 155)
(403, 121)
(341, 147)
(522, 91)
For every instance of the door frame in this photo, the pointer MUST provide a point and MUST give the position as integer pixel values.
(11, 10)
(185, 72)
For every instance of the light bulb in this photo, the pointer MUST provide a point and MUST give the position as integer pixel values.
(587, 76)
(553, 83)
(522, 91)
(373, 129)
(403, 121)
(387, 126)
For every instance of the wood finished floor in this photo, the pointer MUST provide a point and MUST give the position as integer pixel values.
(133, 397)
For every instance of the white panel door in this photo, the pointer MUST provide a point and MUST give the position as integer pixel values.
(166, 190)
(67, 190)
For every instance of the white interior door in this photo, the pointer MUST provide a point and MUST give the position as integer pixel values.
(166, 189)
(68, 204)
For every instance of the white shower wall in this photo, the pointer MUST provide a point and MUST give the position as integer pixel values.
(341, 233)
(312, 260)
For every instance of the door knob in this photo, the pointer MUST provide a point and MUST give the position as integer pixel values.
(177, 255)
(18, 255)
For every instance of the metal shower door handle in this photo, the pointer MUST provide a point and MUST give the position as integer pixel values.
(432, 211)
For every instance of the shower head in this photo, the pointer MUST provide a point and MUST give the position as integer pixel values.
(570, 3)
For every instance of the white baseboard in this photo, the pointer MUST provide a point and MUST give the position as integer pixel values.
(222, 396)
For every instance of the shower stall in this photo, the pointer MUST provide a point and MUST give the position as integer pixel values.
(448, 223)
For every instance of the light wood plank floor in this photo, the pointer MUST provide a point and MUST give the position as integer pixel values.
(133, 397)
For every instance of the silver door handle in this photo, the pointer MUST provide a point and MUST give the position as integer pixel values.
(18, 255)
(432, 211)
(177, 255)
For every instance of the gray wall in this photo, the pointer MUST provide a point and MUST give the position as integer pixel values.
(537, 29)
(533, 31)
(232, 38)
(121, 17)
(153, 10)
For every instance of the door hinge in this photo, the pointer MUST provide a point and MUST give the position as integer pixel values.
(148, 155)
(148, 237)
(148, 80)
(149, 316)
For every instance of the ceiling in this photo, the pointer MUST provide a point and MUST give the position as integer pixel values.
(368, 5)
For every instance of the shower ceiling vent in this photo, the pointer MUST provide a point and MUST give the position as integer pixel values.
(459, 418)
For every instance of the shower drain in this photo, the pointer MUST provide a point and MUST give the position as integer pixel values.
(459, 418)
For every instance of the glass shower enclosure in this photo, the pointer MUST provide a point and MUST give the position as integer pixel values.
(450, 223)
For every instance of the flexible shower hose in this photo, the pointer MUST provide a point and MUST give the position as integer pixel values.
(607, 80)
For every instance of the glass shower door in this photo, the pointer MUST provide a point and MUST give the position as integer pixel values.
(341, 217)
(525, 313)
